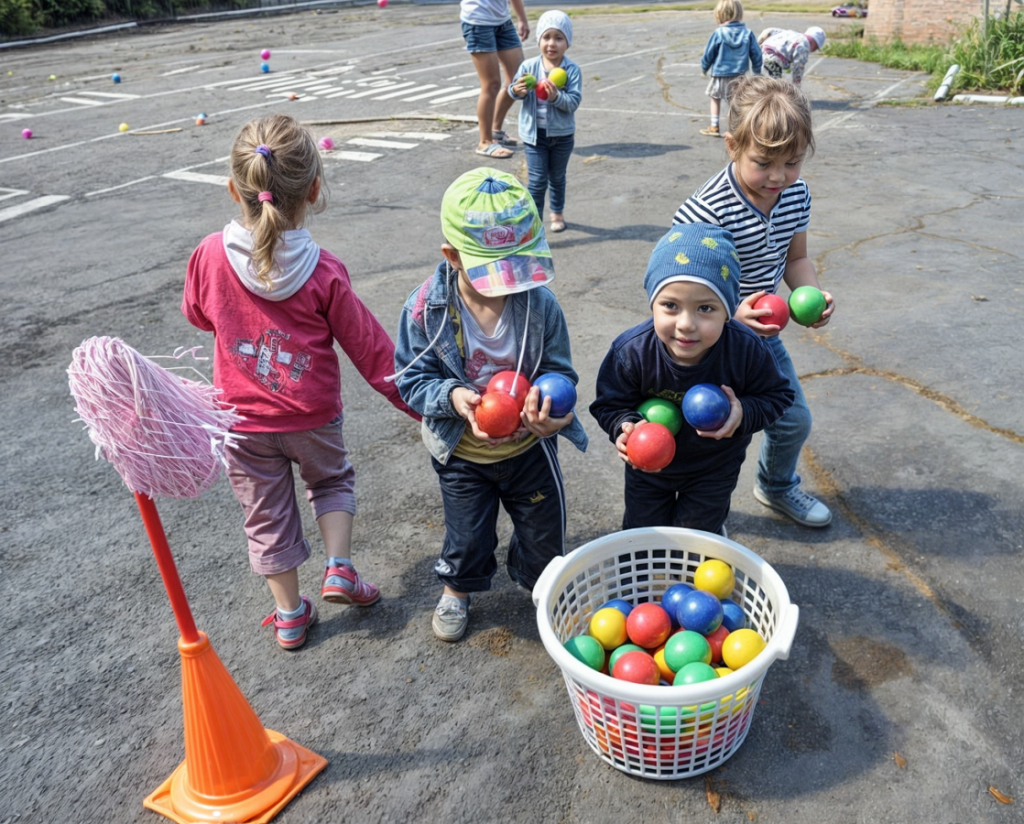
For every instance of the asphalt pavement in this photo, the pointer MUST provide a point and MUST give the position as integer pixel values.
(899, 700)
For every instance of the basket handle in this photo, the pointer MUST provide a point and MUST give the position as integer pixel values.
(786, 632)
(544, 581)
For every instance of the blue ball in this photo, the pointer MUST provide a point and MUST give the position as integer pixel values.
(733, 617)
(620, 604)
(264, 67)
(560, 389)
(706, 407)
(116, 78)
(673, 595)
(699, 611)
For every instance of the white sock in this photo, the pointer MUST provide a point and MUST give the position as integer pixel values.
(285, 615)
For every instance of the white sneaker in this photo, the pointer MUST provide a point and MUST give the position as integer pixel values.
(797, 505)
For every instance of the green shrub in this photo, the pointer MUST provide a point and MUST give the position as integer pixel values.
(1001, 65)
(17, 18)
(53, 13)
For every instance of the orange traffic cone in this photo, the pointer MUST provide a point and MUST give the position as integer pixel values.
(234, 770)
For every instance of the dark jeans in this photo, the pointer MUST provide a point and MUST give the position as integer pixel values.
(547, 161)
(693, 502)
(530, 488)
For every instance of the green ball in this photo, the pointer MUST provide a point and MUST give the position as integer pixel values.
(530, 81)
(659, 410)
(619, 651)
(686, 647)
(661, 721)
(694, 673)
(587, 649)
(806, 305)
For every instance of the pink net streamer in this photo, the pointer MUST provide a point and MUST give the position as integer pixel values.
(165, 435)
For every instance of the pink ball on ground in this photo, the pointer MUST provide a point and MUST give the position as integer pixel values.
(26, 133)
(265, 54)
(326, 143)
(382, 3)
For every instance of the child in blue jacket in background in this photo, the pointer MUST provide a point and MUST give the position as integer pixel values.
(547, 126)
(730, 52)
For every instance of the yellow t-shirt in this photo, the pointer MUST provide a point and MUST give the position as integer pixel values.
(471, 448)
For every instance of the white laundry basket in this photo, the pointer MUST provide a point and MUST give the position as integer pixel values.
(660, 732)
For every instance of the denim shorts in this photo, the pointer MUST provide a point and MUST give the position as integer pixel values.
(491, 38)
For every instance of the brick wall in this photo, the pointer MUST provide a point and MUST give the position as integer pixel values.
(920, 21)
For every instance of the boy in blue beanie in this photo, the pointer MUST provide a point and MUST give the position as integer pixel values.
(693, 288)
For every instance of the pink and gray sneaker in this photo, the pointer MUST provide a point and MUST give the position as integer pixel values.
(342, 585)
(291, 634)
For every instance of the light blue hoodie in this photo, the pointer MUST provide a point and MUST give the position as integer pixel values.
(731, 50)
(561, 117)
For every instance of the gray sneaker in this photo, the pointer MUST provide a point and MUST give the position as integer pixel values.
(805, 509)
(451, 617)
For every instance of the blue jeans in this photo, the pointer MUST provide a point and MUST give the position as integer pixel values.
(530, 488)
(783, 440)
(547, 161)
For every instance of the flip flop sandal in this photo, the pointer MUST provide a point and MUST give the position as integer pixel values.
(496, 151)
(502, 137)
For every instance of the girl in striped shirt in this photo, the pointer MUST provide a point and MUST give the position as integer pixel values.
(762, 200)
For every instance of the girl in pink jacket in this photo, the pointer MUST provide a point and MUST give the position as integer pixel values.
(276, 303)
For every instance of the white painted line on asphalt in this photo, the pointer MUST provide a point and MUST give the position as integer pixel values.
(13, 115)
(198, 177)
(631, 111)
(182, 70)
(422, 96)
(434, 68)
(334, 70)
(380, 144)
(361, 157)
(12, 193)
(451, 97)
(111, 95)
(622, 56)
(342, 93)
(412, 135)
(379, 87)
(403, 86)
(30, 206)
(266, 84)
(82, 101)
(623, 83)
(121, 186)
(870, 104)
(460, 76)
(322, 87)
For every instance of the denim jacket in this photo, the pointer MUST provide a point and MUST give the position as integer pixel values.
(731, 50)
(561, 120)
(429, 369)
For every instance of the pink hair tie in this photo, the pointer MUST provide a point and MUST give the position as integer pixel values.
(266, 196)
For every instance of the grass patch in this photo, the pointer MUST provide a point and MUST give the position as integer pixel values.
(995, 63)
(780, 6)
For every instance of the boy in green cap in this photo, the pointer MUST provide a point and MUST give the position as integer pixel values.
(487, 309)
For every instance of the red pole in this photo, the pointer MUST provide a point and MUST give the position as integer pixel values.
(168, 571)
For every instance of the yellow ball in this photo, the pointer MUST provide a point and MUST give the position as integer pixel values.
(741, 647)
(608, 626)
(558, 77)
(715, 577)
(123, 127)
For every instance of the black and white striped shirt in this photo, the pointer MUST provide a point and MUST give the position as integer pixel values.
(762, 241)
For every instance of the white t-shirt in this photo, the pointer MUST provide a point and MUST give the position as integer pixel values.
(486, 356)
(485, 12)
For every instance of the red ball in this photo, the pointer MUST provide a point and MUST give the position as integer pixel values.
(648, 625)
(637, 667)
(715, 640)
(498, 414)
(507, 381)
(780, 311)
(542, 90)
(651, 446)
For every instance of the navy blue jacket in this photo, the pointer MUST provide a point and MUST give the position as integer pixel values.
(638, 367)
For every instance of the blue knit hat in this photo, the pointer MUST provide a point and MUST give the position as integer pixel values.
(555, 19)
(696, 253)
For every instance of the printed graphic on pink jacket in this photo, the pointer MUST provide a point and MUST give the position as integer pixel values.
(262, 356)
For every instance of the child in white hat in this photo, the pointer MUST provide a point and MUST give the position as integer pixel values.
(550, 86)
(785, 50)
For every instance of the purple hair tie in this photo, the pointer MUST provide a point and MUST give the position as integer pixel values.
(263, 150)
(266, 196)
